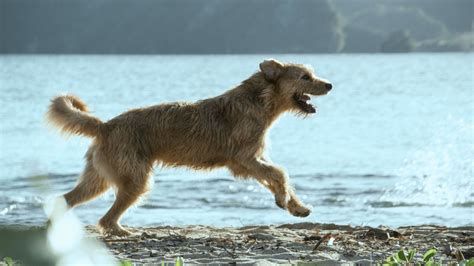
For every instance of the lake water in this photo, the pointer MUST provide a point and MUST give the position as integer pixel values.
(392, 144)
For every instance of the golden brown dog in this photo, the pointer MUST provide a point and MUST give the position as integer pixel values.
(225, 131)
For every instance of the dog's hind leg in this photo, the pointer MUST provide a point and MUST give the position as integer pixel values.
(89, 186)
(127, 194)
(131, 184)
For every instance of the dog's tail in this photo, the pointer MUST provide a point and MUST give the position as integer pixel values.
(70, 114)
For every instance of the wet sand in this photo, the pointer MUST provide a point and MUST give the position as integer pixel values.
(287, 244)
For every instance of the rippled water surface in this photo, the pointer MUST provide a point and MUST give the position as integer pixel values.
(392, 144)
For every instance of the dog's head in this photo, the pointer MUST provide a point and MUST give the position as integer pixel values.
(294, 84)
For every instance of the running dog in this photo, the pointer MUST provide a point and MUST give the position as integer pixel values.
(224, 131)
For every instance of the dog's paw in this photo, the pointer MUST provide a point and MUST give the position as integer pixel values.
(280, 204)
(298, 210)
(120, 232)
(282, 201)
(113, 230)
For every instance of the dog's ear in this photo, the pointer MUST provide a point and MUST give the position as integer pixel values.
(271, 69)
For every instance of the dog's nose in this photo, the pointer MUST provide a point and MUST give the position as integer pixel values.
(328, 86)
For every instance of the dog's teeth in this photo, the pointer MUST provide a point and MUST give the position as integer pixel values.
(305, 97)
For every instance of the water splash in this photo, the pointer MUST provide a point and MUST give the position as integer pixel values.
(8, 209)
(67, 239)
(440, 172)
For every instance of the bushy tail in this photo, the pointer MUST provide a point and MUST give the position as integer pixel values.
(70, 114)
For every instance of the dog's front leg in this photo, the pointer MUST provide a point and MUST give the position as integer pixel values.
(271, 176)
(275, 179)
(294, 206)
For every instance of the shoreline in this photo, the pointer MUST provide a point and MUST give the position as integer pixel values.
(287, 244)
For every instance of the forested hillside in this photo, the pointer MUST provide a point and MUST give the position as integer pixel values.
(234, 26)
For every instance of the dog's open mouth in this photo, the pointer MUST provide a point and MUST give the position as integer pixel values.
(302, 100)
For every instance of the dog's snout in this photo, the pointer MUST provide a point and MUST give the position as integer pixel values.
(328, 86)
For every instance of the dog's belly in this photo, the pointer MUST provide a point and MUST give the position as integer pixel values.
(195, 162)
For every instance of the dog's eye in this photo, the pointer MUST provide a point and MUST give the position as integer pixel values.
(305, 77)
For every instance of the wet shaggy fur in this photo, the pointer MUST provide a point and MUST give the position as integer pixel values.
(225, 131)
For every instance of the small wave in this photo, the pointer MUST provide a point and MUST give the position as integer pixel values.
(219, 180)
(466, 204)
(369, 192)
(243, 206)
(8, 209)
(155, 206)
(19, 199)
(240, 205)
(334, 202)
(50, 176)
(38, 181)
(390, 204)
(320, 176)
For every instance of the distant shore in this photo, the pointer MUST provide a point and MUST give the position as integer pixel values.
(288, 243)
